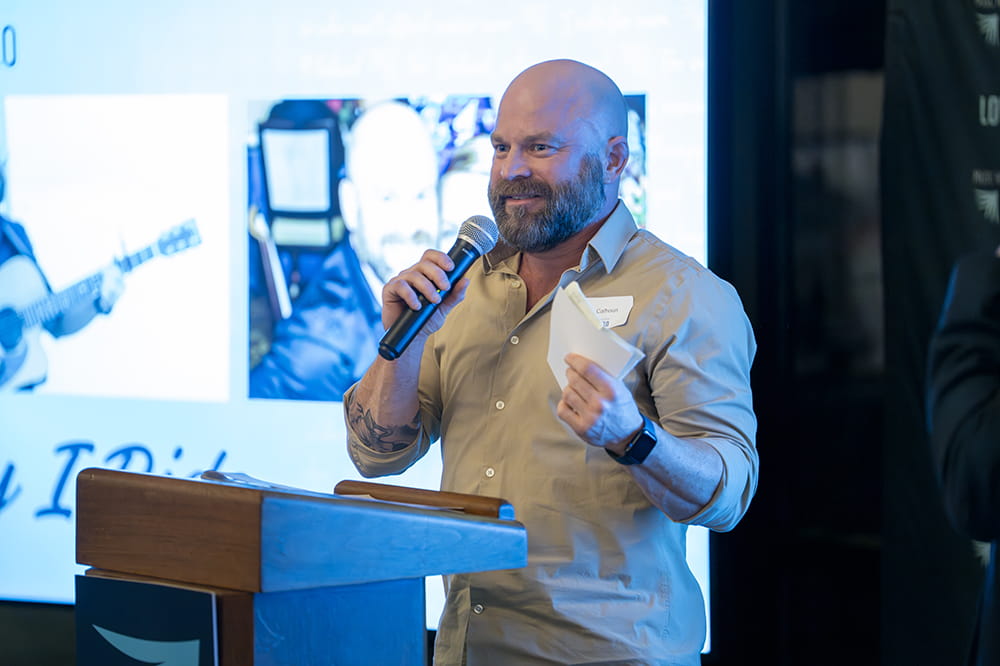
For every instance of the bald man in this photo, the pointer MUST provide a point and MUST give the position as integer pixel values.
(606, 473)
(388, 200)
(389, 196)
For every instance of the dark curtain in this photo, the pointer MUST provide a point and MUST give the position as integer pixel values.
(940, 174)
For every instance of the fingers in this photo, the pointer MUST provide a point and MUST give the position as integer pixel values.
(574, 408)
(585, 418)
(588, 377)
(112, 286)
(456, 295)
(598, 407)
(569, 416)
(400, 290)
(582, 403)
(427, 277)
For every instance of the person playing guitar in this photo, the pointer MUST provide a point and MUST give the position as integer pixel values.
(22, 282)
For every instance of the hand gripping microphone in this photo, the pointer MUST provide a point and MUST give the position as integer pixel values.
(476, 237)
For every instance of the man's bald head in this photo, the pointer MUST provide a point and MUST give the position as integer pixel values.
(560, 146)
(582, 91)
(388, 197)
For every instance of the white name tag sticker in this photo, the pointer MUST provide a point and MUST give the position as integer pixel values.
(611, 310)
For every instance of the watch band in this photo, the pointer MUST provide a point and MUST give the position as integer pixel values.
(639, 446)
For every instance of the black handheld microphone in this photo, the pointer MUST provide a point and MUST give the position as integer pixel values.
(476, 237)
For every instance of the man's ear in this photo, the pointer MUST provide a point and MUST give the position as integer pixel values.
(617, 158)
(347, 195)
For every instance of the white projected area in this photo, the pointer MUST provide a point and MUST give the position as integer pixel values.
(122, 121)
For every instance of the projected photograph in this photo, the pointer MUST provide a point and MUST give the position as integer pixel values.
(343, 194)
(200, 208)
(113, 259)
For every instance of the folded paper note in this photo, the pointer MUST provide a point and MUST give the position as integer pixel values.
(576, 328)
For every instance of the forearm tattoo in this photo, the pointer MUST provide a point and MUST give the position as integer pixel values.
(383, 439)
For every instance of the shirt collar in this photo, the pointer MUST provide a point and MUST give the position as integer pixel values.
(608, 243)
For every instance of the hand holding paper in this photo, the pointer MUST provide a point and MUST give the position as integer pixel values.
(575, 328)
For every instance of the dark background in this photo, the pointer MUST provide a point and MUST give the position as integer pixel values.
(844, 556)
(798, 581)
(843, 139)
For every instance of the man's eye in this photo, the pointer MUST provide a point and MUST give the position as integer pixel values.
(541, 147)
(499, 148)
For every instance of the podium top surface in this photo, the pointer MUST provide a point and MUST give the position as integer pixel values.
(255, 539)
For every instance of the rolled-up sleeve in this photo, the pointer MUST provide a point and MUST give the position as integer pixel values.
(371, 463)
(700, 381)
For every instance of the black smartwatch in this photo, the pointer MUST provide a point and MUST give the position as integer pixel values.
(639, 446)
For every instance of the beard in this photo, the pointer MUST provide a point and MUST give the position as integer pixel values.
(569, 207)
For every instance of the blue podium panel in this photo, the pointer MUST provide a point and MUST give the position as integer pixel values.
(129, 622)
(349, 625)
(306, 543)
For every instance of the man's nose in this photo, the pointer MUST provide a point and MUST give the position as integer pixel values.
(514, 166)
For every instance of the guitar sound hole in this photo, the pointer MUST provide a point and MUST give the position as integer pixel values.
(11, 328)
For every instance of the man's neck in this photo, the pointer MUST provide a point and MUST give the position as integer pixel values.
(541, 271)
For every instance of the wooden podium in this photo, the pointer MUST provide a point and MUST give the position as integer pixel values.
(282, 576)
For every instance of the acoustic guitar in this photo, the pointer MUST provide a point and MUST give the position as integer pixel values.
(25, 301)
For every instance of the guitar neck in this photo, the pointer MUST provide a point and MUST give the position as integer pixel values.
(87, 290)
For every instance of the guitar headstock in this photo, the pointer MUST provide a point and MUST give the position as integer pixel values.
(179, 238)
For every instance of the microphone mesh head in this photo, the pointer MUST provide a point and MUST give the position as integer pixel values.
(481, 231)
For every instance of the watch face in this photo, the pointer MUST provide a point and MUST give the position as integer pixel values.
(640, 446)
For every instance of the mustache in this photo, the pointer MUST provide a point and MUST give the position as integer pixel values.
(520, 187)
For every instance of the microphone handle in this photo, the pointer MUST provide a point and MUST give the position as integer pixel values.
(401, 333)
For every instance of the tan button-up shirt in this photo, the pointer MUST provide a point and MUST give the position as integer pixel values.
(607, 580)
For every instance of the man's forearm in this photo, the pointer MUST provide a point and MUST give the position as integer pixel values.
(384, 409)
(377, 437)
(680, 476)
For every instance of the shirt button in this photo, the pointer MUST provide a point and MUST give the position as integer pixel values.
(514, 339)
(478, 609)
(500, 404)
(516, 284)
(490, 472)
